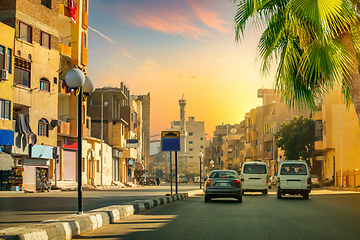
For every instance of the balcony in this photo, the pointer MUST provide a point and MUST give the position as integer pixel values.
(319, 145)
(20, 147)
(64, 129)
(65, 50)
(64, 10)
(268, 137)
(63, 88)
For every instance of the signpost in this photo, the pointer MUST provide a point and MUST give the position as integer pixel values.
(170, 141)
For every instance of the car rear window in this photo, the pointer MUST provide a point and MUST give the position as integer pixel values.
(293, 169)
(313, 176)
(255, 169)
(223, 174)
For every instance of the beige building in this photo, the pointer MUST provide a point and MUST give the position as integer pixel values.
(72, 46)
(337, 139)
(36, 61)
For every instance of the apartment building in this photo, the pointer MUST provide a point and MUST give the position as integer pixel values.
(72, 45)
(35, 56)
(251, 136)
(337, 139)
(6, 96)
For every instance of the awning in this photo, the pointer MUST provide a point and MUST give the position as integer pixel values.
(6, 161)
(139, 166)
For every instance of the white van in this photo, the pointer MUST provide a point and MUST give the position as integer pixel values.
(293, 178)
(254, 177)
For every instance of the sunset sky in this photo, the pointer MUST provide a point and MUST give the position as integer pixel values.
(175, 47)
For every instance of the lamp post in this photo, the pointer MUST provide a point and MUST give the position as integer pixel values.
(200, 156)
(76, 79)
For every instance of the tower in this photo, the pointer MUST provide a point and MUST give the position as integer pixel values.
(182, 154)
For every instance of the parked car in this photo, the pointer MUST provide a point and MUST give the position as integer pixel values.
(294, 178)
(182, 180)
(315, 181)
(150, 180)
(223, 184)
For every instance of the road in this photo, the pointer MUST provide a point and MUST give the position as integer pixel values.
(24, 209)
(326, 215)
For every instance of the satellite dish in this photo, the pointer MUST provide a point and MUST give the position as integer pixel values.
(233, 130)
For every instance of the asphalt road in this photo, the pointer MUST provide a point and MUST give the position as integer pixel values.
(326, 215)
(23, 209)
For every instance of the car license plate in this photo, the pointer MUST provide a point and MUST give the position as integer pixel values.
(223, 184)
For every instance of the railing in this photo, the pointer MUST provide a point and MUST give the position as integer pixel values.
(350, 178)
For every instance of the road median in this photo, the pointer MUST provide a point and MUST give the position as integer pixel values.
(73, 225)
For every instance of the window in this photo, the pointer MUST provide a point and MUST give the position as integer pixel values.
(201, 146)
(190, 142)
(255, 169)
(191, 133)
(190, 149)
(201, 139)
(22, 72)
(84, 40)
(97, 166)
(43, 127)
(46, 3)
(5, 107)
(25, 32)
(9, 61)
(44, 85)
(45, 40)
(2, 57)
(85, 5)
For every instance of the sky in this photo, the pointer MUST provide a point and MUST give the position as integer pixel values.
(175, 48)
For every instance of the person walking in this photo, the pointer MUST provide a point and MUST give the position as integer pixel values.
(157, 181)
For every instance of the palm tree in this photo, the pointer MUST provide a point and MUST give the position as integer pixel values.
(315, 43)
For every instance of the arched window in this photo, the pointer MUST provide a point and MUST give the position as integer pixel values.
(43, 127)
(44, 85)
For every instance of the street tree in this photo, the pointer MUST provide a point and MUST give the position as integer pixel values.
(315, 44)
(297, 138)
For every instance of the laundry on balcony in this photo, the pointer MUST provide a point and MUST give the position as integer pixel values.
(24, 128)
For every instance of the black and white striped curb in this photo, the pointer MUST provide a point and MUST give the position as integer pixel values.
(67, 227)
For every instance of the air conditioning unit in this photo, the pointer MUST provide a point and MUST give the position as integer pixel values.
(56, 123)
(4, 75)
(320, 126)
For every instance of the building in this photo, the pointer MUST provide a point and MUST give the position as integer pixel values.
(6, 98)
(337, 139)
(72, 44)
(35, 56)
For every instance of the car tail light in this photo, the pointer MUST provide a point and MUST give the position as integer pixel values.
(278, 181)
(237, 183)
(318, 180)
(208, 183)
(309, 181)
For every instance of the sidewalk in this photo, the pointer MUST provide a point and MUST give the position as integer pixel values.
(341, 188)
(72, 225)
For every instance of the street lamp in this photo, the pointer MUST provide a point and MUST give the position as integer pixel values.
(200, 156)
(76, 79)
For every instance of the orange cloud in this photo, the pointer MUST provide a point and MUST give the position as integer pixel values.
(209, 18)
(170, 22)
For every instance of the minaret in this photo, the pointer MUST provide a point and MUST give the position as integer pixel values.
(182, 154)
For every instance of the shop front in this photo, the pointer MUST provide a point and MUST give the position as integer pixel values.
(7, 179)
(36, 168)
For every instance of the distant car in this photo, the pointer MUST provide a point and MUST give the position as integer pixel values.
(150, 181)
(315, 181)
(196, 179)
(183, 180)
(223, 184)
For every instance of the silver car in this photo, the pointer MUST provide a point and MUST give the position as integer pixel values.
(223, 184)
(315, 181)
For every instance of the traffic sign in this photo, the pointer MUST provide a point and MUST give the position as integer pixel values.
(170, 141)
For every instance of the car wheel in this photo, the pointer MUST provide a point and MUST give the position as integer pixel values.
(207, 198)
(278, 194)
(306, 195)
(239, 198)
(265, 192)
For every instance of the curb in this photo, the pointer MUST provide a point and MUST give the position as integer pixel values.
(67, 227)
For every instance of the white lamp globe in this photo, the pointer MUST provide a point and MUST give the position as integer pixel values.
(200, 154)
(75, 78)
(88, 86)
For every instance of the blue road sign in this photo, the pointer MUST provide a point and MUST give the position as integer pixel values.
(170, 141)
